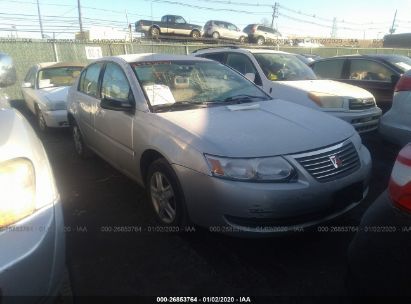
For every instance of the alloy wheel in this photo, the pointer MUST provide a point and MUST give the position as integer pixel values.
(163, 197)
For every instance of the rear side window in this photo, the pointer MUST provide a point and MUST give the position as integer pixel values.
(329, 69)
(89, 80)
(215, 56)
(241, 63)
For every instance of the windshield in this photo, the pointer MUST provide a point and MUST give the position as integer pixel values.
(176, 85)
(58, 77)
(402, 62)
(283, 67)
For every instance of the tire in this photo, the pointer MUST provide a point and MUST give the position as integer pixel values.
(195, 34)
(260, 40)
(41, 122)
(241, 39)
(165, 194)
(154, 32)
(216, 35)
(81, 148)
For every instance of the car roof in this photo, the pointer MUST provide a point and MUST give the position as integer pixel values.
(151, 57)
(373, 56)
(238, 50)
(43, 65)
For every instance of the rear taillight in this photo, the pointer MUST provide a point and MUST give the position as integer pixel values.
(404, 84)
(400, 183)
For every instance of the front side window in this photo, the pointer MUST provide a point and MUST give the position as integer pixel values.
(89, 83)
(180, 20)
(115, 84)
(58, 77)
(369, 70)
(277, 66)
(329, 69)
(178, 85)
(30, 77)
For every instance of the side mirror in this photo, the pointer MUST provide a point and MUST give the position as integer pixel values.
(116, 105)
(7, 71)
(250, 76)
(26, 85)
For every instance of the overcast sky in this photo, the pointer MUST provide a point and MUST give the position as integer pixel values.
(354, 18)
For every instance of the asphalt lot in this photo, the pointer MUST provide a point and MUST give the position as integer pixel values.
(96, 196)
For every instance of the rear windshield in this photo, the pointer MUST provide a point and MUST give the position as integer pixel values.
(58, 77)
(401, 62)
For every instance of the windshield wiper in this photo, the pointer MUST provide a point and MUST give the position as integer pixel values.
(237, 99)
(180, 105)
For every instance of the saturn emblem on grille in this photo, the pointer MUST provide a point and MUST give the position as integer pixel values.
(336, 161)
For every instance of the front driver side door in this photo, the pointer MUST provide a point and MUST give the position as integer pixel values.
(114, 128)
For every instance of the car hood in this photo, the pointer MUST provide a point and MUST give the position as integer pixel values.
(55, 93)
(329, 87)
(267, 128)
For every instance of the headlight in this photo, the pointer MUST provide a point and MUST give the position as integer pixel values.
(56, 105)
(24, 189)
(325, 100)
(269, 169)
(17, 190)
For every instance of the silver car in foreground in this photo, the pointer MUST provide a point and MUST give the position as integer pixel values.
(212, 148)
(395, 125)
(45, 90)
(32, 251)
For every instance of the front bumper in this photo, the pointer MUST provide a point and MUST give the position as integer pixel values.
(56, 119)
(263, 209)
(32, 255)
(362, 121)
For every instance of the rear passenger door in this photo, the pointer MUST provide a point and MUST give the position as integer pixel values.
(87, 98)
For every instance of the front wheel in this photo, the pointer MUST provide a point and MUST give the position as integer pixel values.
(165, 194)
(195, 34)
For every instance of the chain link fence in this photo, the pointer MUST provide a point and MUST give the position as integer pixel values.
(28, 53)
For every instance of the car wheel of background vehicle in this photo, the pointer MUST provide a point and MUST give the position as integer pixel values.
(216, 35)
(260, 40)
(165, 194)
(41, 122)
(241, 39)
(154, 32)
(195, 34)
(81, 149)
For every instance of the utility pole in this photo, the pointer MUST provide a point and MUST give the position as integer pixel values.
(275, 14)
(130, 34)
(79, 17)
(392, 29)
(334, 28)
(40, 22)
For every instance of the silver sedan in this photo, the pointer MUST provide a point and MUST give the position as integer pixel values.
(213, 149)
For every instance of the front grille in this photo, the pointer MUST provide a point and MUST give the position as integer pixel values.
(321, 166)
(361, 103)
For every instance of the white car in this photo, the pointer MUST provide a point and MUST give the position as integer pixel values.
(221, 29)
(284, 76)
(395, 125)
(45, 89)
(32, 243)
